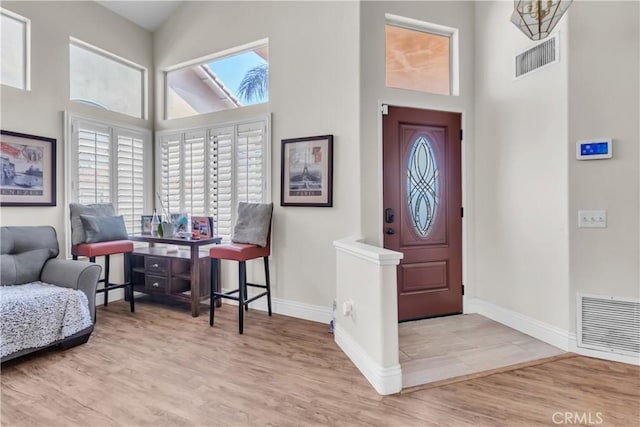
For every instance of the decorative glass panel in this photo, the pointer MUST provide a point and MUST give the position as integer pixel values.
(422, 186)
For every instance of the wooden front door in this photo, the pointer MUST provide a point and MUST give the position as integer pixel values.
(423, 209)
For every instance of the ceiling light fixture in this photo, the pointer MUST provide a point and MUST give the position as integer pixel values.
(537, 18)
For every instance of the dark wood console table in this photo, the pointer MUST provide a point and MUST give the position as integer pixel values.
(160, 271)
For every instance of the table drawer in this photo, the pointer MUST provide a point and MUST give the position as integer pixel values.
(156, 283)
(156, 265)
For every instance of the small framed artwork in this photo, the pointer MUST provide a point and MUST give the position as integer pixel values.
(28, 170)
(202, 226)
(180, 222)
(145, 223)
(307, 171)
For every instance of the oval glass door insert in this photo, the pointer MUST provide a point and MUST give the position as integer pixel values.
(422, 186)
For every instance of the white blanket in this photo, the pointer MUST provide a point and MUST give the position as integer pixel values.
(38, 314)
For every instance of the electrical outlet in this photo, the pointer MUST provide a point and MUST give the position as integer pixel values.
(592, 219)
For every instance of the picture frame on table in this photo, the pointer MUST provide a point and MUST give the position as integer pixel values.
(307, 171)
(28, 175)
(180, 222)
(145, 223)
(202, 226)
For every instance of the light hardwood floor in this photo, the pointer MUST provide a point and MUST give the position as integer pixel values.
(447, 347)
(162, 367)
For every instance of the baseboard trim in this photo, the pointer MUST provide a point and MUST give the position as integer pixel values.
(114, 295)
(545, 332)
(299, 310)
(615, 357)
(384, 380)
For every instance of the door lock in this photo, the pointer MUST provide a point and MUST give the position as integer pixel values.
(390, 231)
(388, 216)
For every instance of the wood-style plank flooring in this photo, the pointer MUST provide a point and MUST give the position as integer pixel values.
(447, 347)
(162, 367)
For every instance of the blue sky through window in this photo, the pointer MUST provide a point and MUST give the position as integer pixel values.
(231, 70)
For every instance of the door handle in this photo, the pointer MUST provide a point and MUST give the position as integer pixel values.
(388, 215)
(390, 231)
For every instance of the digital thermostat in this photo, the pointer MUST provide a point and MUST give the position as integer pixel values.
(594, 149)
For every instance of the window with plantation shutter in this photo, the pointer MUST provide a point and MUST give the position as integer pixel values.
(205, 172)
(220, 179)
(130, 179)
(94, 163)
(110, 164)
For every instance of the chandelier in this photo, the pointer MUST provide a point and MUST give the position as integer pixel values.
(537, 18)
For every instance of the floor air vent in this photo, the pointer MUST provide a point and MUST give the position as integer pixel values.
(609, 324)
(540, 55)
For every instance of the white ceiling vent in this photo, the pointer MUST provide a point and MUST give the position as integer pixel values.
(610, 324)
(537, 57)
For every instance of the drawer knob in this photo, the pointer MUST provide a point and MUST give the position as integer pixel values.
(154, 265)
(156, 285)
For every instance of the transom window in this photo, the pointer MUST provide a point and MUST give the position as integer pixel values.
(421, 56)
(226, 80)
(104, 80)
(14, 60)
(207, 171)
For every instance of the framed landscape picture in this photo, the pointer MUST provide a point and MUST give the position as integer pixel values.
(307, 171)
(28, 170)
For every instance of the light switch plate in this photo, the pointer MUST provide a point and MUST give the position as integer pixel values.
(592, 219)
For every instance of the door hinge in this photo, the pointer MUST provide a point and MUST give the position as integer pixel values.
(384, 109)
(461, 212)
(462, 289)
(460, 134)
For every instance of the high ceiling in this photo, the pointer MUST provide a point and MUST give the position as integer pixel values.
(148, 14)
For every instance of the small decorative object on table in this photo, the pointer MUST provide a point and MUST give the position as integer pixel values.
(201, 227)
(180, 222)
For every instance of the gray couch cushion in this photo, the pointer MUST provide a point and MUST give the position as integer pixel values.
(103, 228)
(253, 224)
(24, 250)
(77, 209)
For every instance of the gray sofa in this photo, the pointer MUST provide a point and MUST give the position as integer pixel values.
(28, 257)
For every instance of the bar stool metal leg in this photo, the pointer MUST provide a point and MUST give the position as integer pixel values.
(214, 281)
(106, 280)
(242, 287)
(268, 283)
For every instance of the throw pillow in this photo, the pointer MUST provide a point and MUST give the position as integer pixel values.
(253, 224)
(103, 228)
(77, 209)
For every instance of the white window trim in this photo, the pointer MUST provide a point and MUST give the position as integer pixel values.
(27, 46)
(207, 133)
(440, 30)
(69, 169)
(144, 108)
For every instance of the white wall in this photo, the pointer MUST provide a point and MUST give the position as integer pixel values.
(604, 76)
(460, 15)
(521, 174)
(313, 71)
(40, 111)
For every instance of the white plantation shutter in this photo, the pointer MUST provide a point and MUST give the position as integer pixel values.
(110, 164)
(220, 179)
(93, 182)
(205, 172)
(130, 179)
(170, 180)
(250, 159)
(194, 174)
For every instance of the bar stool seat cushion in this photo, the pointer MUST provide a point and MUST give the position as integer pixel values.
(102, 248)
(238, 251)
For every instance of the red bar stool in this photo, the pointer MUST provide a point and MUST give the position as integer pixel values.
(251, 240)
(242, 253)
(106, 249)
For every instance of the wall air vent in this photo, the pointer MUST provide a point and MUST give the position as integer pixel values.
(610, 324)
(541, 55)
